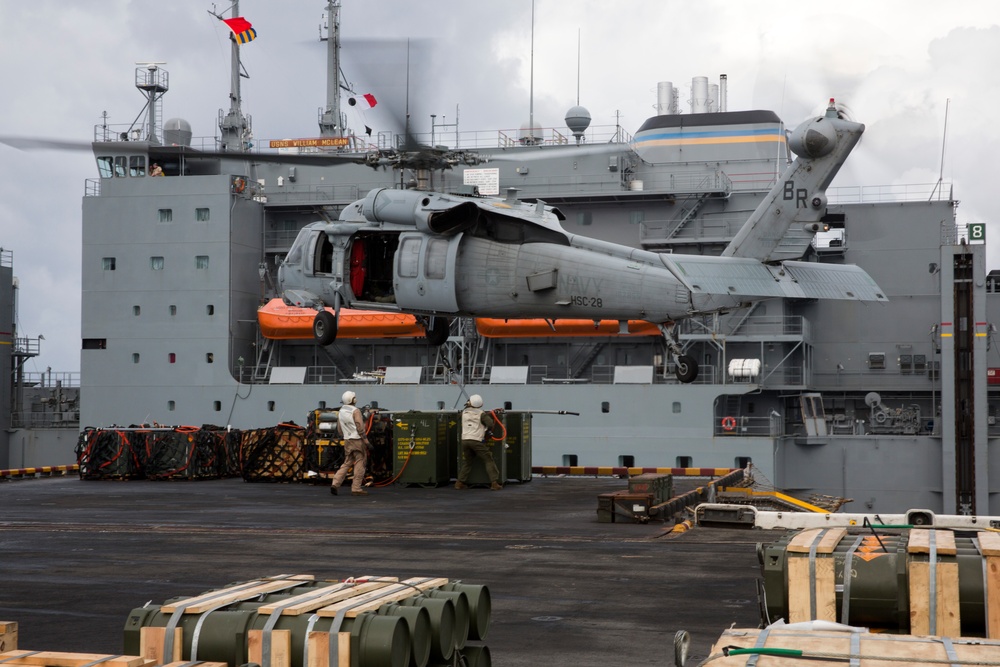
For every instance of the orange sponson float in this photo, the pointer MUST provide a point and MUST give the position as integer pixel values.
(541, 328)
(279, 321)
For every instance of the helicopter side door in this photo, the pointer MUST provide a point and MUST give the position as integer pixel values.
(424, 272)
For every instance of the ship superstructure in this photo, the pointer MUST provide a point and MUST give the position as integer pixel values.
(885, 403)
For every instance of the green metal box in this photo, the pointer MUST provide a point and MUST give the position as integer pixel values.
(661, 487)
(424, 447)
(518, 450)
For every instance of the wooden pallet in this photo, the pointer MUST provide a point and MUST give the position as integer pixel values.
(858, 648)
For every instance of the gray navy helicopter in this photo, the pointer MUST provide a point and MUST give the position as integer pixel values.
(441, 256)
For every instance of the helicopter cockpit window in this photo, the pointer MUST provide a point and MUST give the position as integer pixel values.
(121, 166)
(137, 166)
(294, 255)
(436, 260)
(104, 166)
(409, 257)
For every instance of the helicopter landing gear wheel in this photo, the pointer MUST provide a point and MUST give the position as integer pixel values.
(685, 368)
(325, 327)
(437, 331)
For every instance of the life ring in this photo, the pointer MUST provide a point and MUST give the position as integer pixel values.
(728, 423)
(239, 185)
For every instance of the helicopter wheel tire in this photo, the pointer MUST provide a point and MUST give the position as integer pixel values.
(325, 327)
(687, 369)
(437, 332)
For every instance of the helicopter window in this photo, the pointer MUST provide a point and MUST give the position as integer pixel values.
(121, 166)
(294, 255)
(409, 256)
(324, 254)
(104, 167)
(436, 260)
(137, 166)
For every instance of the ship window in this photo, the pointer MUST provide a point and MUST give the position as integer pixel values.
(95, 343)
(876, 360)
(201, 262)
(636, 217)
(172, 357)
(217, 406)
(605, 406)
(409, 256)
(108, 263)
(136, 310)
(585, 218)
(156, 263)
(270, 406)
(210, 309)
(684, 461)
(906, 363)
(677, 407)
(209, 357)
(135, 357)
(437, 258)
(171, 406)
(201, 214)
(166, 215)
(919, 363)
(173, 310)
(104, 167)
(121, 166)
(743, 461)
(626, 460)
(571, 460)
(137, 166)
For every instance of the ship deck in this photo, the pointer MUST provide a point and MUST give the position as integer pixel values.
(77, 556)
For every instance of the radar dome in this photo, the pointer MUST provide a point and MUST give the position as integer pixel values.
(530, 134)
(177, 132)
(578, 120)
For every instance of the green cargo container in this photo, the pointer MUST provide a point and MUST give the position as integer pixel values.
(518, 445)
(424, 447)
(661, 487)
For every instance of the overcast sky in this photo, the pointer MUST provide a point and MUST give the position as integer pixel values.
(895, 63)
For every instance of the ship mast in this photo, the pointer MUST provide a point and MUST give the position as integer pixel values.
(329, 119)
(234, 125)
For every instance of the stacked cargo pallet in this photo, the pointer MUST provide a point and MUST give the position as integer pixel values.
(919, 581)
(156, 452)
(10, 655)
(296, 621)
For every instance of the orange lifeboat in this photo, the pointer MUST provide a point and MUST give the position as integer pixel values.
(279, 321)
(542, 328)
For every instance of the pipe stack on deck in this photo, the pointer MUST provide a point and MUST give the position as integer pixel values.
(296, 621)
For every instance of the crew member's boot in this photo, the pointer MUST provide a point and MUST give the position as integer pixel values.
(496, 486)
(461, 485)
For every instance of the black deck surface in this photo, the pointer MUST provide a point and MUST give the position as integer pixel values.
(77, 556)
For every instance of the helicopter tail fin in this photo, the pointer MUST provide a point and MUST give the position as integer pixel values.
(784, 224)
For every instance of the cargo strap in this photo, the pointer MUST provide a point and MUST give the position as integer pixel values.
(18, 657)
(845, 609)
(812, 571)
(949, 650)
(855, 636)
(338, 620)
(175, 618)
(761, 640)
(103, 658)
(986, 585)
(932, 577)
(272, 620)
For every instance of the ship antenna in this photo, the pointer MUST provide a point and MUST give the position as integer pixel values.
(531, 86)
(234, 125)
(330, 124)
(944, 141)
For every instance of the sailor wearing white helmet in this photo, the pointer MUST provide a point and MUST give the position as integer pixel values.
(475, 422)
(352, 430)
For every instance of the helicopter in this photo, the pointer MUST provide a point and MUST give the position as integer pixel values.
(442, 256)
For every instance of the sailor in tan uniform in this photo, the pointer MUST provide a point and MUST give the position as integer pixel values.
(474, 424)
(352, 430)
